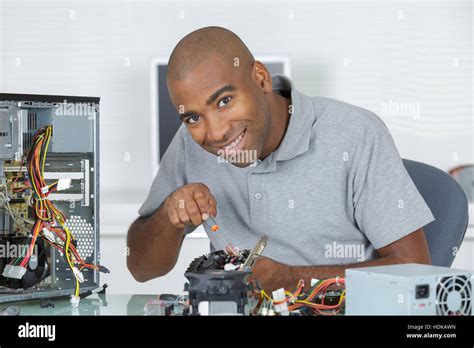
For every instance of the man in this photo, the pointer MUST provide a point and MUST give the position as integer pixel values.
(325, 182)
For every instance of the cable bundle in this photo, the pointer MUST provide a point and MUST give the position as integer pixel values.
(49, 220)
(300, 299)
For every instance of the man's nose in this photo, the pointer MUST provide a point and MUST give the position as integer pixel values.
(216, 128)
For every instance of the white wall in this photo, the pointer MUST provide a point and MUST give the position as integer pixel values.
(369, 53)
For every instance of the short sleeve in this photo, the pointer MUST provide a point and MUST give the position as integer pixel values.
(387, 204)
(171, 175)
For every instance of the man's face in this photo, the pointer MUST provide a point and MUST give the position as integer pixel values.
(224, 110)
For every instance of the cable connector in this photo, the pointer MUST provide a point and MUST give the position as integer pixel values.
(15, 272)
(230, 267)
(103, 269)
(279, 296)
(100, 289)
(49, 235)
(78, 274)
(75, 301)
(63, 184)
(45, 189)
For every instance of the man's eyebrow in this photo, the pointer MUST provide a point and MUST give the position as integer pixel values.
(212, 98)
(216, 94)
(187, 114)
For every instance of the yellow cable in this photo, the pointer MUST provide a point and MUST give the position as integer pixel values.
(50, 208)
(343, 297)
(68, 257)
(48, 138)
(265, 295)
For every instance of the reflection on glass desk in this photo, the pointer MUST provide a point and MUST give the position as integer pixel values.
(96, 304)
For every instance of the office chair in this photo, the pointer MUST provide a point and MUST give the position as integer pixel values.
(448, 203)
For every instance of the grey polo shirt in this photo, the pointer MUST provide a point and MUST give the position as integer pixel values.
(333, 192)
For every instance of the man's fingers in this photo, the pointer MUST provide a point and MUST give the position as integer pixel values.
(182, 211)
(202, 200)
(174, 218)
(212, 205)
(193, 212)
(191, 204)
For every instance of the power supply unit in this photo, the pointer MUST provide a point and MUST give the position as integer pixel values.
(49, 196)
(408, 289)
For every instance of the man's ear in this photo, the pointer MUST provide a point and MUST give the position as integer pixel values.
(262, 77)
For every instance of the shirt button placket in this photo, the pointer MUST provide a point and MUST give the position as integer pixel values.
(259, 204)
(256, 200)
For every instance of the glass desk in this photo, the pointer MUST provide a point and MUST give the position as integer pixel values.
(96, 304)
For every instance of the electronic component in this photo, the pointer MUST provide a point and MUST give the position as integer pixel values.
(254, 254)
(15, 272)
(279, 297)
(214, 290)
(75, 301)
(218, 281)
(218, 292)
(324, 297)
(408, 289)
(167, 304)
(49, 233)
(218, 284)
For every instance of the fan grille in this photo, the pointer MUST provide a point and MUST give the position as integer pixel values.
(454, 296)
(84, 233)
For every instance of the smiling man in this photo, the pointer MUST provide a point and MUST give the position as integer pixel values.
(320, 177)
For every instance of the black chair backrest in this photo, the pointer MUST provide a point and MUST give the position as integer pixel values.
(449, 205)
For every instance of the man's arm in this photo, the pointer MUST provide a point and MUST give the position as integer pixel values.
(154, 244)
(273, 275)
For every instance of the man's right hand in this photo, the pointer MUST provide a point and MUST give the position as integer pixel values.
(190, 204)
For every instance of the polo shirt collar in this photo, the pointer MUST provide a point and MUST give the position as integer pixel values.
(297, 136)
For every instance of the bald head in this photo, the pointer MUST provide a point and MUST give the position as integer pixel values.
(204, 43)
(223, 96)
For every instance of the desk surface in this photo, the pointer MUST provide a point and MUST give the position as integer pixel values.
(96, 304)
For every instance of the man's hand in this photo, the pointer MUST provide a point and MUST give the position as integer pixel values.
(155, 241)
(272, 275)
(190, 205)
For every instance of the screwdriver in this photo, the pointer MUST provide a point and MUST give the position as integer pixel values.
(212, 223)
(214, 228)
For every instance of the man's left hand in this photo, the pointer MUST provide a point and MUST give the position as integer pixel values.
(272, 275)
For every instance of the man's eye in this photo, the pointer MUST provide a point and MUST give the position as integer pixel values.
(193, 119)
(224, 101)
